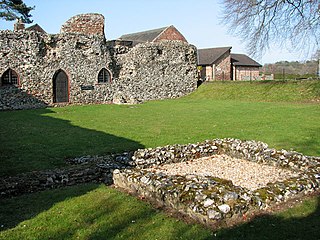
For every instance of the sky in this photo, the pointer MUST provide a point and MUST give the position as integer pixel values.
(198, 20)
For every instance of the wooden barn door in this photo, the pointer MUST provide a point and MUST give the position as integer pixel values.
(60, 87)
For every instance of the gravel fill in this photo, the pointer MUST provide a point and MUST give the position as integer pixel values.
(241, 172)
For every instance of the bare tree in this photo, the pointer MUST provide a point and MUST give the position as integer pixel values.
(316, 55)
(15, 9)
(260, 22)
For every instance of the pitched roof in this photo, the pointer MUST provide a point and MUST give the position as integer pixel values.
(36, 27)
(243, 60)
(209, 56)
(145, 36)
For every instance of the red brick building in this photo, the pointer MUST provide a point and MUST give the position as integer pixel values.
(214, 63)
(154, 35)
(36, 27)
(221, 64)
(244, 67)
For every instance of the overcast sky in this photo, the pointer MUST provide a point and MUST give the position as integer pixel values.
(198, 20)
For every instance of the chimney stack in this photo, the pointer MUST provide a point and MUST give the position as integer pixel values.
(19, 25)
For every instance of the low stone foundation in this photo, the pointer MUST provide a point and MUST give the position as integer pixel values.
(97, 169)
(210, 199)
(204, 198)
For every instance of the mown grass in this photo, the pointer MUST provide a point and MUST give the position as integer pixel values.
(282, 114)
(91, 211)
(265, 91)
(43, 139)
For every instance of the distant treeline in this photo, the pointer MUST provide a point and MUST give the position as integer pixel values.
(292, 70)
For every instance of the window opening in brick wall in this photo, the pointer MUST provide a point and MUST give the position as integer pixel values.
(104, 76)
(9, 77)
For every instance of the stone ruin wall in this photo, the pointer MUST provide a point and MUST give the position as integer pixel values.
(149, 71)
(209, 199)
(159, 70)
(89, 24)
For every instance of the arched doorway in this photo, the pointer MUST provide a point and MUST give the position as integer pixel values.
(60, 87)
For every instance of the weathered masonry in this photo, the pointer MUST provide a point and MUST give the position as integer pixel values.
(79, 66)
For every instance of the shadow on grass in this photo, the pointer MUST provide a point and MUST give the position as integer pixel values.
(286, 225)
(17, 209)
(41, 139)
(90, 211)
(100, 213)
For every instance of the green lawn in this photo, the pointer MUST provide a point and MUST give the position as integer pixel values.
(98, 212)
(90, 212)
(43, 139)
(266, 91)
(282, 114)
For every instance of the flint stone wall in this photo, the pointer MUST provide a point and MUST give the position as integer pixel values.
(39, 181)
(97, 169)
(85, 23)
(149, 71)
(158, 70)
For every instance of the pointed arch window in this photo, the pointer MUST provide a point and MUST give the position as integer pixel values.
(9, 77)
(104, 76)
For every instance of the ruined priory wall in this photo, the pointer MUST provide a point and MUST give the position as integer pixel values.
(91, 23)
(145, 72)
(160, 70)
(36, 57)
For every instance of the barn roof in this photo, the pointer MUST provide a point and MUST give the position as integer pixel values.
(145, 36)
(209, 56)
(243, 60)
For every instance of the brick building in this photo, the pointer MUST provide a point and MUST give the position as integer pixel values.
(154, 35)
(244, 67)
(214, 63)
(221, 64)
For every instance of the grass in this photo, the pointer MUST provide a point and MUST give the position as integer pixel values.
(42, 139)
(265, 91)
(95, 212)
(91, 211)
(282, 114)
(299, 222)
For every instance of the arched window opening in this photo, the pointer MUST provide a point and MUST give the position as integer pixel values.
(60, 87)
(104, 76)
(9, 77)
